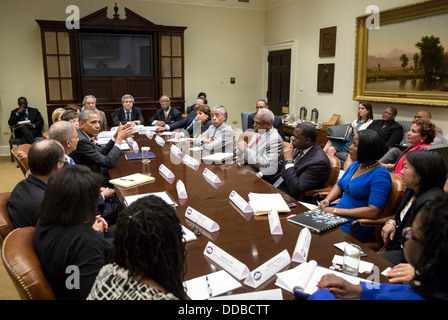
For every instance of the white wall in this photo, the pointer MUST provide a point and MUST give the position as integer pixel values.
(300, 21)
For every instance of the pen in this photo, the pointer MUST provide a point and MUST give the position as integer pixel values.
(208, 287)
(126, 179)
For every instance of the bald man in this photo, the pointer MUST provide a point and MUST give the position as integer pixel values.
(393, 154)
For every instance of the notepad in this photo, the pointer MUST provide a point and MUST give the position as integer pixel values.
(138, 155)
(317, 220)
(132, 180)
(262, 203)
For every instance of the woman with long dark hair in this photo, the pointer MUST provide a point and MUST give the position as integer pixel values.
(147, 257)
(424, 174)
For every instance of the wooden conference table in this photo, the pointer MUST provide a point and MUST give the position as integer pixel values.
(244, 236)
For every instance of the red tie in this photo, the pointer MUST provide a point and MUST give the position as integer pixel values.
(256, 141)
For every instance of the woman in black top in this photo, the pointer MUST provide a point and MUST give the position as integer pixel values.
(69, 237)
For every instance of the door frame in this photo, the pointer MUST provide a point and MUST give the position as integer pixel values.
(277, 46)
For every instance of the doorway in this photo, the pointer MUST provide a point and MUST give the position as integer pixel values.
(279, 80)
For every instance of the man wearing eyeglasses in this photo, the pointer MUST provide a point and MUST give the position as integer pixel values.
(277, 124)
(128, 112)
(165, 115)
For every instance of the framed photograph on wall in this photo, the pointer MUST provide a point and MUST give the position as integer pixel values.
(325, 77)
(405, 60)
(327, 42)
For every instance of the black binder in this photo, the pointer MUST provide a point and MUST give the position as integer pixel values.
(317, 220)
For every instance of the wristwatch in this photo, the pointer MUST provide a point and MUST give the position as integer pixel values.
(290, 161)
(335, 211)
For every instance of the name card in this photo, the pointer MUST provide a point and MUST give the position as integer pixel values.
(160, 141)
(274, 222)
(302, 246)
(239, 201)
(191, 162)
(149, 134)
(268, 269)
(209, 175)
(165, 171)
(176, 151)
(233, 266)
(181, 191)
(201, 220)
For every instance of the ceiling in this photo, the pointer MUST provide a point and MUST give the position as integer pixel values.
(238, 4)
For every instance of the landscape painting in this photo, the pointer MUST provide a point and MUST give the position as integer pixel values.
(405, 58)
(410, 56)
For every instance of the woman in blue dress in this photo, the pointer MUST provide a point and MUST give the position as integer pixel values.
(365, 186)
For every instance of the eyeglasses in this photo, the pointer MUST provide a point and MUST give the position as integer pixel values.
(407, 234)
(164, 101)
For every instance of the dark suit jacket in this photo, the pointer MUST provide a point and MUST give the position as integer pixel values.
(278, 124)
(120, 115)
(392, 134)
(25, 200)
(310, 172)
(183, 123)
(173, 116)
(33, 115)
(98, 159)
(415, 208)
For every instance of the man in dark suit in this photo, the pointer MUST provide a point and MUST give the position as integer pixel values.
(182, 123)
(128, 112)
(305, 165)
(45, 157)
(66, 134)
(166, 114)
(28, 132)
(278, 124)
(88, 153)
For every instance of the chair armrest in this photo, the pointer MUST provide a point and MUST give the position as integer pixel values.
(373, 222)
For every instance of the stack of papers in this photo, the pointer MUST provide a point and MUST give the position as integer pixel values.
(132, 180)
(262, 203)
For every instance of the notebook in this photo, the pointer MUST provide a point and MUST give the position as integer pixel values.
(262, 203)
(132, 180)
(138, 155)
(317, 220)
(346, 135)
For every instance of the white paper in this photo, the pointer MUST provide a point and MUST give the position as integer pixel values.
(239, 201)
(218, 157)
(273, 294)
(166, 133)
(274, 223)
(176, 150)
(210, 176)
(181, 191)
(162, 194)
(268, 269)
(191, 162)
(160, 141)
(201, 220)
(165, 171)
(302, 246)
(218, 283)
(301, 275)
(233, 266)
(196, 149)
(364, 266)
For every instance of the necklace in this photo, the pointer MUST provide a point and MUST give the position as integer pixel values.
(367, 168)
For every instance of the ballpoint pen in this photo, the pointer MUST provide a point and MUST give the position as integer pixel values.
(208, 287)
(126, 179)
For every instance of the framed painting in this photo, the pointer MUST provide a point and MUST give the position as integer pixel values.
(405, 60)
(325, 77)
(327, 42)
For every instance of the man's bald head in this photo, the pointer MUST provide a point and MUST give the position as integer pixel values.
(44, 155)
(423, 114)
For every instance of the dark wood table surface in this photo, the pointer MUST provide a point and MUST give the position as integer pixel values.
(246, 237)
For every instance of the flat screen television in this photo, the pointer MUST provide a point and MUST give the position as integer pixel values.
(107, 54)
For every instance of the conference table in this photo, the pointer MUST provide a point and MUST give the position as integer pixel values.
(245, 236)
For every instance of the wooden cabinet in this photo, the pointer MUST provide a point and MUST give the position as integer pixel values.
(99, 66)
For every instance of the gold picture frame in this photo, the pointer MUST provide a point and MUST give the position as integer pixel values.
(399, 84)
